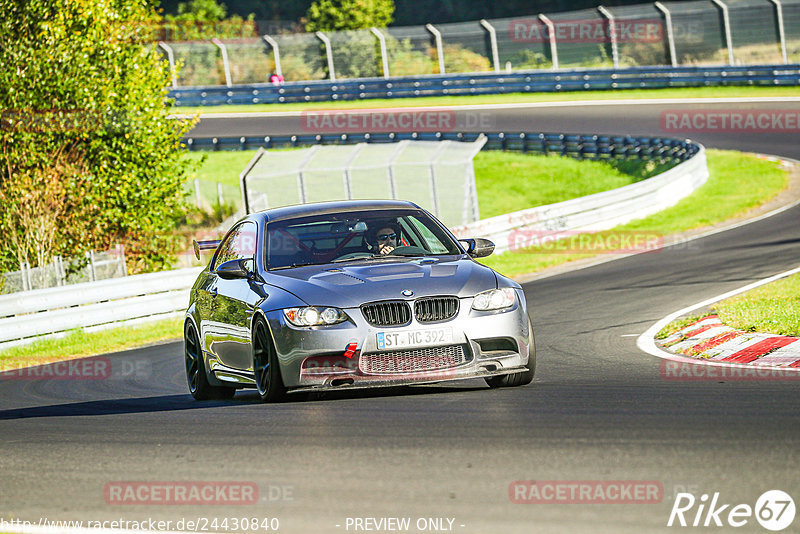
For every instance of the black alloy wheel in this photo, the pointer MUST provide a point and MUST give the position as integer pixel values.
(265, 364)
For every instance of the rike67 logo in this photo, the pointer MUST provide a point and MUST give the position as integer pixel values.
(774, 510)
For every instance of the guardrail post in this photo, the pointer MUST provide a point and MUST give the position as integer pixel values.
(437, 36)
(276, 51)
(225, 64)
(551, 29)
(328, 53)
(781, 30)
(171, 58)
(673, 57)
(493, 40)
(384, 56)
(726, 22)
(220, 196)
(197, 199)
(612, 31)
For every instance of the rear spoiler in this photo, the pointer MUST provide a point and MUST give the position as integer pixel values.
(210, 244)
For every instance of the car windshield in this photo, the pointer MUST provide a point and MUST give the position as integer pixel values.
(355, 236)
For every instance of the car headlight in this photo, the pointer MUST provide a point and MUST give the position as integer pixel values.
(313, 316)
(494, 299)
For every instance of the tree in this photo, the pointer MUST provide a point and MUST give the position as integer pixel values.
(338, 15)
(88, 155)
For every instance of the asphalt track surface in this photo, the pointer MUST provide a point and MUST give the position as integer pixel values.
(599, 408)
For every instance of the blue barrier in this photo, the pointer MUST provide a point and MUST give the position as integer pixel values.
(471, 84)
(586, 146)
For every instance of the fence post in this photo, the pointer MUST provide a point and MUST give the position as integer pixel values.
(60, 274)
(437, 36)
(220, 197)
(493, 40)
(329, 53)
(301, 183)
(432, 174)
(392, 159)
(197, 199)
(171, 58)
(612, 30)
(673, 58)
(276, 52)
(25, 275)
(781, 30)
(551, 29)
(121, 248)
(348, 189)
(92, 272)
(225, 64)
(384, 57)
(726, 22)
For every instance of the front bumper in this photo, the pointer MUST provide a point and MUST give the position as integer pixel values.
(489, 344)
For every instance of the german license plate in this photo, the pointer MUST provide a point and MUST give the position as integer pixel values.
(414, 338)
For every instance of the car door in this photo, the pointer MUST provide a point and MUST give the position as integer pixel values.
(234, 302)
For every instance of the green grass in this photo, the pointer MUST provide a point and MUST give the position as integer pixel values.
(506, 181)
(773, 308)
(78, 343)
(678, 324)
(729, 192)
(682, 92)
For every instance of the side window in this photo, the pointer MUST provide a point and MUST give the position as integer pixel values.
(239, 244)
(432, 243)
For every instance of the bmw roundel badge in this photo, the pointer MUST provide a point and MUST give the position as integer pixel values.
(406, 292)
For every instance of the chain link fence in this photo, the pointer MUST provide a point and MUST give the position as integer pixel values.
(694, 32)
(95, 266)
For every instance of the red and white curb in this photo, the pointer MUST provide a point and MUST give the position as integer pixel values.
(710, 339)
(707, 337)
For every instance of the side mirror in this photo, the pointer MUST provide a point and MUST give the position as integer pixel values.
(233, 269)
(478, 247)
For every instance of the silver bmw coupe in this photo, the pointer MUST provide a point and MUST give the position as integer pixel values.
(351, 294)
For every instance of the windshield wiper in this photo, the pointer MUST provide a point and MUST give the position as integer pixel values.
(299, 264)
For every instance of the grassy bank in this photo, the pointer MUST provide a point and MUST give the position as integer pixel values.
(770, 309)
(773, 308)
(78, 343)
(512, 98)
(729, 192)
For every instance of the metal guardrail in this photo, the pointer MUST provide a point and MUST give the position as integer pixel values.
(601, 211)
(33, 315)
(580, 146)
(493, 83)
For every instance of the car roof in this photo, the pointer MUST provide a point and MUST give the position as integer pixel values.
(338, 206)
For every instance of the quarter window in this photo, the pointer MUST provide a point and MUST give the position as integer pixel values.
(240, 244)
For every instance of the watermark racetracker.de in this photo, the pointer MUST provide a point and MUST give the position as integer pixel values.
(176, 493)
(730, 120)
(587, 31)
(395, 120)
(92, 368)
(525, 240)
(586, 492)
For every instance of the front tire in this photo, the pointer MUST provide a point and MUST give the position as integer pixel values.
(196, 377)
(266, 371)
(517, 379)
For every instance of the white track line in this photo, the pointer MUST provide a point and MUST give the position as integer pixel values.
(511, 105)
(646, 341)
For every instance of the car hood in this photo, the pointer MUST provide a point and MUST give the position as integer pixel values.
(352, 284)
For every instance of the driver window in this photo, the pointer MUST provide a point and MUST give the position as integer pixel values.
(239, 244)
